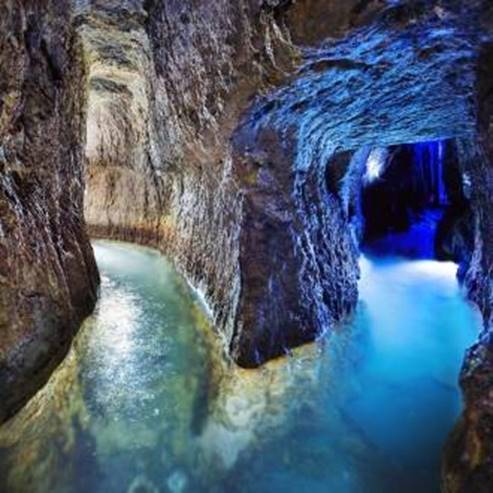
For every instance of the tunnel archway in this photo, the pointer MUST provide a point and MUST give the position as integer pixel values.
(303, 150)
(414, 203)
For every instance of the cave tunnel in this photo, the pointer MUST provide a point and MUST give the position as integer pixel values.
(244, 246)
(413, 203)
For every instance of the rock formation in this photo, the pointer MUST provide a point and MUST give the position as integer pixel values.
(187, 190)
(468, 464)
(48, 277)
(233, 136)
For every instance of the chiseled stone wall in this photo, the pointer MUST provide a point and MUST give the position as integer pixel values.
(48, 277)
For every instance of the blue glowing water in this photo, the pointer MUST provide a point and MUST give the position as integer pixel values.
(427, 182)
(145, 403)
(418, 242)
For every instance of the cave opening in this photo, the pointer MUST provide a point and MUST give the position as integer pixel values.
(414, 203)
(415, 227)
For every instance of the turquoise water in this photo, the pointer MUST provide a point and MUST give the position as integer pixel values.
(146, 403)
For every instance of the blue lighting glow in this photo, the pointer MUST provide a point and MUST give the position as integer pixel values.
(375, 164)
(409, 199)
(418, 242)
(429, 160)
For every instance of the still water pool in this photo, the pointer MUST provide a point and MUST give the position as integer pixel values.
(145, 402)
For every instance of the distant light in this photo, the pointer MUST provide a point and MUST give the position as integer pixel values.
(445, 270)
(375, 164)
(467, 184)
(397, 269)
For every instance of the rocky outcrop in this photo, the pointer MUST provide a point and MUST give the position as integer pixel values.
(48, 277)
(183, 197)
(184, 187)
(344, 98)
(468, 464)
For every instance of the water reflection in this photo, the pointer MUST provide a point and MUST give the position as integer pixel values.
(145, 401)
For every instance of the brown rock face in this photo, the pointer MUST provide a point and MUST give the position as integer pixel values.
(468, 464)
(169, 82)
(48, 277)
(208, 59)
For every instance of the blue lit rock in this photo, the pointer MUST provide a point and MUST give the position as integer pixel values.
(408, 77)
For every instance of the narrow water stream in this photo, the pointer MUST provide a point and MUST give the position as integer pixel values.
(145, 403)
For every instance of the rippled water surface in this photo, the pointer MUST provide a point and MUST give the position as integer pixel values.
(145, 403)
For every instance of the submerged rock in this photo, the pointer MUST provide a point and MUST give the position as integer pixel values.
(177, 482)
(142, 485)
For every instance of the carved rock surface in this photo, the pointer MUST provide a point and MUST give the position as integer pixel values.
(48, 277)
(468, 464)
(186, 154)
(169, 83)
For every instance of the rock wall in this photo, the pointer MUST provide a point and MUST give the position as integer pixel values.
(123, 188)
(468, 464)
(48, 277)
(208, 60)
(221, 178)
(407, 77)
